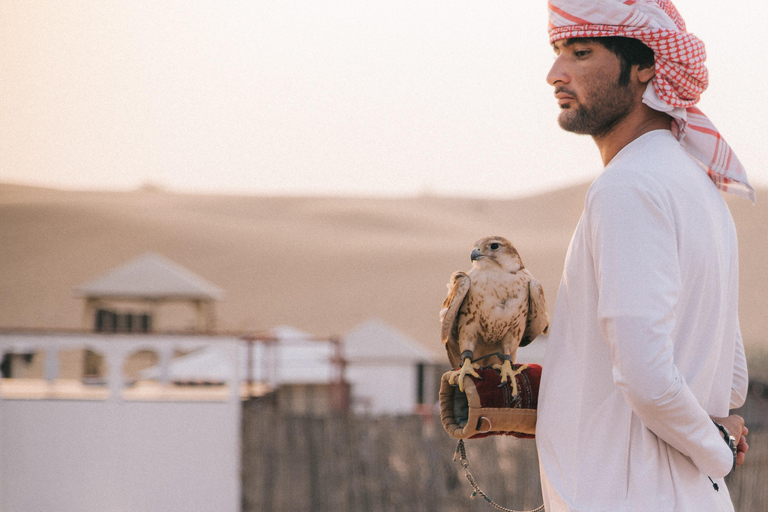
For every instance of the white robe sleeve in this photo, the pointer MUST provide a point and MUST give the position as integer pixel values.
(637, 268)
(740, 383)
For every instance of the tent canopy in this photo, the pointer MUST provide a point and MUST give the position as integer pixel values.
(376, 341)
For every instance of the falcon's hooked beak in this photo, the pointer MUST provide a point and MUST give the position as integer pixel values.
(476, 254)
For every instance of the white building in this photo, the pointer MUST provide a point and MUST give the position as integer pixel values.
(129, 298)
(74, 446)
(388, 372)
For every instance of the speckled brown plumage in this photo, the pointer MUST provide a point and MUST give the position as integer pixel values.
(495, 307)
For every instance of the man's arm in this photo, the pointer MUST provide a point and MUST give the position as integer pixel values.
(740, 384)
(739, 387)
(636, 261)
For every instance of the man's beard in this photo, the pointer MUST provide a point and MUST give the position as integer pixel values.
(610, 103)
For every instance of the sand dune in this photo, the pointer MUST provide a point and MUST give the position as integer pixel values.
(322, 264)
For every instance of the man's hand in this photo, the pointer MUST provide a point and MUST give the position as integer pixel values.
(735, 425)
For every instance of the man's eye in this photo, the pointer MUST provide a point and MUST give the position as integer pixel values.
(581, 53)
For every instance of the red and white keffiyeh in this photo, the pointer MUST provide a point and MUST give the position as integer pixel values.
(681, 75)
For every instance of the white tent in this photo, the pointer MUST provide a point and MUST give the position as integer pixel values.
(377, 342)
(389, 372)
(208, 364)
(290, 357)
(295, 357)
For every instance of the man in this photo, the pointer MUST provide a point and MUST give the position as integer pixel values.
(644, 350)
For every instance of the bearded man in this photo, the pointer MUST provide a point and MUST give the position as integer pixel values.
(644, 357)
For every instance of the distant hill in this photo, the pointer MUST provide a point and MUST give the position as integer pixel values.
(321, 264)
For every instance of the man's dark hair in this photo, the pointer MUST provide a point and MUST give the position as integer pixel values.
(629, 51)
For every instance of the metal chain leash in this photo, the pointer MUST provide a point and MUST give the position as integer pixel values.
(461, 455)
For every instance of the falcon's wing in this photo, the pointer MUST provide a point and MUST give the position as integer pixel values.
(537, 321)
(458, 288)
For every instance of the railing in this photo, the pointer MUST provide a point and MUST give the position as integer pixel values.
(104, 366)
(115, 350)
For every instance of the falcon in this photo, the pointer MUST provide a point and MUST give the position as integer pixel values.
(491, 310)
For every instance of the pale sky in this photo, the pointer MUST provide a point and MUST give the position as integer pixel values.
(386, 97)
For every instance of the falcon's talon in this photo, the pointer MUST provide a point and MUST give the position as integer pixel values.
(468, 368)
(507, 373)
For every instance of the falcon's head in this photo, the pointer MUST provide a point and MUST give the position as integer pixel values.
(496, 252)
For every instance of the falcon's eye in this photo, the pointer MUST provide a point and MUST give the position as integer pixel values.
(494, 246)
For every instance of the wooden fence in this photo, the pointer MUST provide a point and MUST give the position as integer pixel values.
(405, 464)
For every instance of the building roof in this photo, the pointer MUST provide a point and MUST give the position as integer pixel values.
(376, 341)
(150, 277)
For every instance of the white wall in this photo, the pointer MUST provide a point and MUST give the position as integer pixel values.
(132, 456)
(116, 455)
(383, 389)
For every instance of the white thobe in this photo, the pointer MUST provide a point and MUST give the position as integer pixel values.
(645, 342)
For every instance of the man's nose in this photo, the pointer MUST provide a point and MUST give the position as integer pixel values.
(557, 73)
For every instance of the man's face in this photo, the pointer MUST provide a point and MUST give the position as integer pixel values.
(585, 76)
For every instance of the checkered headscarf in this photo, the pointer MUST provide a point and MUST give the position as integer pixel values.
(681, 75)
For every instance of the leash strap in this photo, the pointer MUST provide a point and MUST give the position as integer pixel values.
(461, 456)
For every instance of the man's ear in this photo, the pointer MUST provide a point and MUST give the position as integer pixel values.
(645, 74)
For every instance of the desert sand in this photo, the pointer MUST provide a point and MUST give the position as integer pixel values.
(321, 264)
